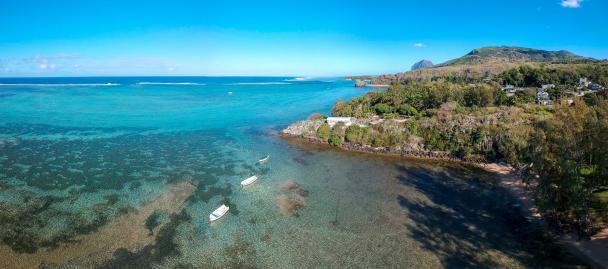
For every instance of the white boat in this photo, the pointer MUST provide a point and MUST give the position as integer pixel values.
(218, 213)
(263, 160)
(248, 181)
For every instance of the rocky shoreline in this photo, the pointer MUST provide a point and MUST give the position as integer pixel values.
(304, 131)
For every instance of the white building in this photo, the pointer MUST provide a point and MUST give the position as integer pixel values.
(511, 90)
(543, 98)
(547, 86)
(348, 121)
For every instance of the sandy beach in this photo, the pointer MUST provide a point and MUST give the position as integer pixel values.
(593, 251)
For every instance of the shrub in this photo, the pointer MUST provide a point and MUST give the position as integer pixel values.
(324, 131)
(316, 116)
(342, 109)
(412, 126)
(407, 110)
(378, 141)
(335, 140)
(383, 108)
(352, 133)
(357, 134)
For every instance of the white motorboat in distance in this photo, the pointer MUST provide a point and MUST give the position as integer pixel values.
(248, 181)
(263, 160)
(218, 213)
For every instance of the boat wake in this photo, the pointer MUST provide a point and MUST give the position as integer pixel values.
(260, 83)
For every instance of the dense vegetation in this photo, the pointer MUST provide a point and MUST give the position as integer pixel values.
(568, 156)
(562, 148)
(560, 75)
(490, 61)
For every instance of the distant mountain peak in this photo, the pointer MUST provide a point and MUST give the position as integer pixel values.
(507, 54)
(422, 64)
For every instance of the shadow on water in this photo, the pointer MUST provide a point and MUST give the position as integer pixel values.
(151, 254)
(469, 217)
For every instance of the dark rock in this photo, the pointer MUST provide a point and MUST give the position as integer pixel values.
(422, 64)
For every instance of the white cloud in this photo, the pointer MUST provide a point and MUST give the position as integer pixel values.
(70, 63)
(419, 45)
(45, 66)
(43, 62)
(571, 3)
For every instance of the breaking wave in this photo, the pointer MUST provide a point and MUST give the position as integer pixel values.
(171, 83)
(260, 83)
(57, 84)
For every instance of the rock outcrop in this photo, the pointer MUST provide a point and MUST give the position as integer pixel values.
(360, 83)
(413, 147)
(422, 64)
(305, 128)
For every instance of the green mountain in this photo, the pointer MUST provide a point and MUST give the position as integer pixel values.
(505, 54)
(489, 61)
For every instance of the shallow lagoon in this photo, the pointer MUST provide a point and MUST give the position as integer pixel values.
(124, 176)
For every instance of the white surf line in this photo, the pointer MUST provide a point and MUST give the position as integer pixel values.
(171, 83)
(57, 84)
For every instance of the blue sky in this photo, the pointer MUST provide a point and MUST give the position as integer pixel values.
(300, 38)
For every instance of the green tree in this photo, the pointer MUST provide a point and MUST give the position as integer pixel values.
(335, 140)
(324, 131)
(407, 110)
(382, 108)
(342, 109)
(566, 152)
(356, 134)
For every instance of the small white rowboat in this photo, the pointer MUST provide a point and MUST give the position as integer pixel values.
(263, 160)
(248, 181)
(218, 213)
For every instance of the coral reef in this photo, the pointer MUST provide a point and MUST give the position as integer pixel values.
(240, 254)
(155, 219)
(288, 203)
(292, 186)
(289, 206)
(150, 255)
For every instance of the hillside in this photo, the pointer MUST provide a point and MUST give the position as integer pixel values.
(556, 136)
(488, 61)
(505, 54)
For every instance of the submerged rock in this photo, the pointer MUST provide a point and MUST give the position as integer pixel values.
(292, 186)
(287, 202)
(289, 206)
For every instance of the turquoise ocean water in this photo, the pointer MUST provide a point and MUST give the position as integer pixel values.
(81, 154)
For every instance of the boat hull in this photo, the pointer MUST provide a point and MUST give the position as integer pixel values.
(249, 181)
(218, 213)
